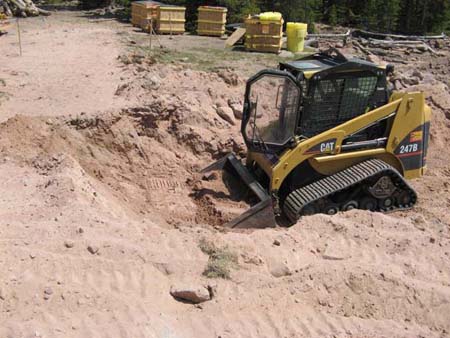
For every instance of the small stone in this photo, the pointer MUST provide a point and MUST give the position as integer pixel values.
(69, 244)
(333, 254)
(190, 293)
(152, 83)
(32, 255)
(93, 249)
(47, 293)
(276, 242)
(279, 269)
(80, 230)
(432, 240)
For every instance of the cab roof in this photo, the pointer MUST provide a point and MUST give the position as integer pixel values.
(331, 60)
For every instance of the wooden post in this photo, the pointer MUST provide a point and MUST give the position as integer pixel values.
(150, 30)
(20, 38)
(170, 24)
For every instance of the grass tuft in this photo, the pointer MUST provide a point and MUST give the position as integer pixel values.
(221, 260)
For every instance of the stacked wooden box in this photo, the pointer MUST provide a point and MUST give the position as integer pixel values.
(171, 20)
(144, 12)
(264, 35)
(211, 20)
(164, 19)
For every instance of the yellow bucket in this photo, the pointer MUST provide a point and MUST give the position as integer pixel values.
(296, 33)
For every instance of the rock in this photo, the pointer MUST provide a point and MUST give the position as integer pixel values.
(237, 110)
(411, 81)
(313, 43)
(333, 253)
(92, 249)
(418, 74)
(47, 293)
(226, 113)
(255, 260)
(32, 255)
(420, 223)
(437, 44)
(276, 242)
(220, 104)
(375, 59)
(280, 269)
(152, 83)
(286, 54)
(69, 244)
(237, 107)
(190, 293)
(229, 77)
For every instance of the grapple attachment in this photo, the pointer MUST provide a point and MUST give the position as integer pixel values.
(261, 214)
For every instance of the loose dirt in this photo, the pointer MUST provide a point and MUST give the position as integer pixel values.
(102, 206)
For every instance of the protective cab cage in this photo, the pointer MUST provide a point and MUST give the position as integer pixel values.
(339, 90)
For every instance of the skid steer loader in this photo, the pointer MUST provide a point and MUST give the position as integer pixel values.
(325, 134)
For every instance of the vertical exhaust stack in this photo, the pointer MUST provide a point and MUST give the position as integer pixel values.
(261, 214)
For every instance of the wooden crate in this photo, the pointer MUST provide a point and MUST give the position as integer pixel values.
(211, 20)
(142, 12)
(263, 36)
(170, 20)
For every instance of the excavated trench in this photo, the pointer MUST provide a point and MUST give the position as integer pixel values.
(149, 158)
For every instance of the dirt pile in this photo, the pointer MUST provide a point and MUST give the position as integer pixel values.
(147, 156)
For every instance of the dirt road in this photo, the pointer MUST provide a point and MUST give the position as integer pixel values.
(98, 220)
(68, 66)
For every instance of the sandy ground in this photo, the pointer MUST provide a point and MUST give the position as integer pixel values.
(99, 217)
(77, 64)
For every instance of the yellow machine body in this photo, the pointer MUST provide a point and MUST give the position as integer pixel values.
(405, 148)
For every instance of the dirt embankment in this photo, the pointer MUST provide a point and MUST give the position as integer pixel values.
(100, 219)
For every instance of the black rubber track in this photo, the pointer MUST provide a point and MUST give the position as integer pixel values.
(297, 200)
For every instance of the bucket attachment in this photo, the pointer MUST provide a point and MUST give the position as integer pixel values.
(261, 214)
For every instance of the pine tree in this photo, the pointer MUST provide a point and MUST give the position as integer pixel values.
(333, 20)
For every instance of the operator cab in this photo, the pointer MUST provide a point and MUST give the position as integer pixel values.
(306, 97)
